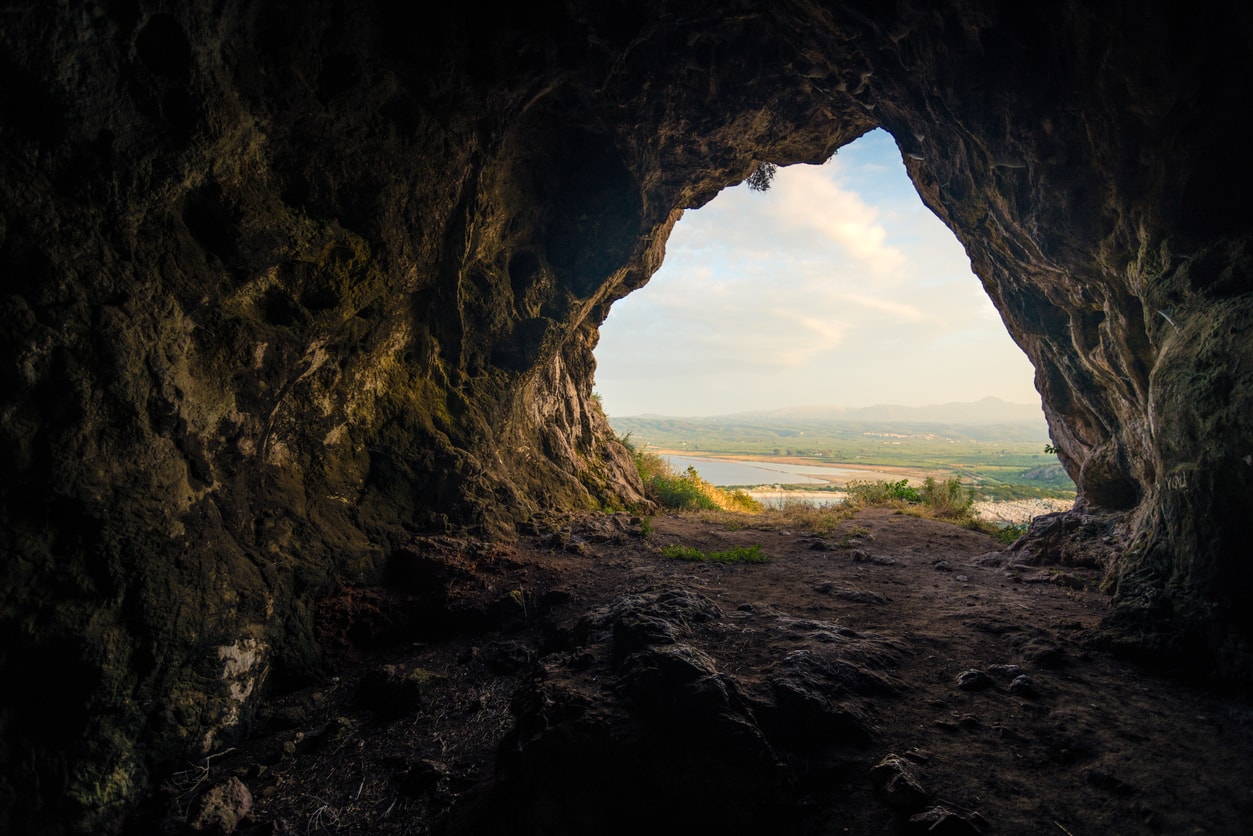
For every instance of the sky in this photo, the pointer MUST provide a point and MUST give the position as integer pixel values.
(836, 287)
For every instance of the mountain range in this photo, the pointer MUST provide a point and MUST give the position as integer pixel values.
(983, 412)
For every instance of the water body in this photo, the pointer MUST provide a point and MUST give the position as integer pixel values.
(742, 472)
(780, 499)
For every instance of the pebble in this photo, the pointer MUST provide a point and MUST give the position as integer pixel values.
(897, 784)
(974, 680)
(1022, 686)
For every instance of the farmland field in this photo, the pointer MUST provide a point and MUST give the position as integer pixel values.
(1002, 461)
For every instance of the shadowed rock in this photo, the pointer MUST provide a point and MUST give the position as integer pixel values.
(280, 290)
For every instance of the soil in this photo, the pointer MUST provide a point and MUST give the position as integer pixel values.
(896, 675)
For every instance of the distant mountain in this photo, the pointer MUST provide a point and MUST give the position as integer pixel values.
(977, 414)
(826, 427)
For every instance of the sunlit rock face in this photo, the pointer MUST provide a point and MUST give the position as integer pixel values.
(281, 285)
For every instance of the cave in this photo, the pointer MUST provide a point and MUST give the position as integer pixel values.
(286, 284)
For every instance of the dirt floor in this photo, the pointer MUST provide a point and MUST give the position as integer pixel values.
(894, 675)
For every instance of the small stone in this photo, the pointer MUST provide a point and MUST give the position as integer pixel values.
(221, 809)
(896, 782)
(945, 821)
(941, 566)
(1022, 686)
(974, 680)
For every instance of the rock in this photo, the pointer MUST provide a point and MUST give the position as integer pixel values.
(974, 680)
(897, 784)
(221, 809)
(1023, 686)
(644, 725)
(1069, 581)
(1005, 672)
(862, 556)
(640, 621)
(246, 342)
(941, 820)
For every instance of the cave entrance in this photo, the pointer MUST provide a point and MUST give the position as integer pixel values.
(836, 288)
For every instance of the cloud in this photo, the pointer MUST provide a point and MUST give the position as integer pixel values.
(836, 286)
(810, 200)
(900, 311)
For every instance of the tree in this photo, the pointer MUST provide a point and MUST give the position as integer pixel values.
(760, 179)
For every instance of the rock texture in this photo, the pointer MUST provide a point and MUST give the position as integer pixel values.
(637, 727)
(283, 284)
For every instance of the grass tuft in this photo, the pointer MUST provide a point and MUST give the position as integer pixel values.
(735, 554)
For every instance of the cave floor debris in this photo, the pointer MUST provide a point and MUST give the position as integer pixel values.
(895, 676)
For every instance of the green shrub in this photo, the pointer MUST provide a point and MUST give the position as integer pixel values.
(735, 554)
(1009, 533)
(883, 493)
(685, 491)
(948, 499)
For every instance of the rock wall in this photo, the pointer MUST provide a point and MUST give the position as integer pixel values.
(283, 284)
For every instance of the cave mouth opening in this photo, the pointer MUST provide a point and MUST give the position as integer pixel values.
(835, 290)
(837, 286)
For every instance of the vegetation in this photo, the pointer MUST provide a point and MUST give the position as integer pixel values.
(1008, 491)
(947, 500)
(1005, 533)
(685, 491)
(950, 498)
(735, 554)
(1001, 462)
(883, 493)
(762, 176)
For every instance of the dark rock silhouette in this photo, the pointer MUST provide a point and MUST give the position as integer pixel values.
(281, 288)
